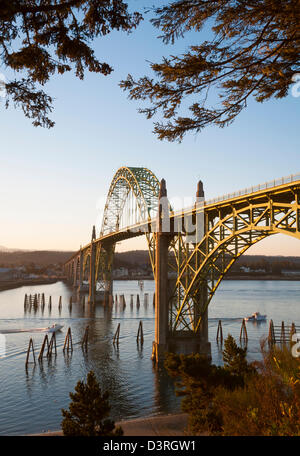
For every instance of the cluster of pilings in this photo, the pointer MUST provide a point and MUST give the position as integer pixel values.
(281, 334)
(243, 333)
(34, 301)
(38, 301)
(120, 300)
(139, 336)
(49, 347)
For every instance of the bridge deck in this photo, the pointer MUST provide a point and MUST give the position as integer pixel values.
(278, 185)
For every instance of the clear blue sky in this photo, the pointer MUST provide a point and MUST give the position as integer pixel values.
(51, 180)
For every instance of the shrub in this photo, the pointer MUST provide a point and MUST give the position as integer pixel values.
(87, 411)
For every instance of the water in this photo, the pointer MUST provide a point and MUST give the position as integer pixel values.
(31, 399)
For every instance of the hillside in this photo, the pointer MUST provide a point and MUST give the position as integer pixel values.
(140, 258)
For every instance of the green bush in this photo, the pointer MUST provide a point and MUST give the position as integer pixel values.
(87, 411)
(239, 398)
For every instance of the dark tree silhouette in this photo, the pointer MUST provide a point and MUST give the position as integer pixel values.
(87, 411)
(43, 37)
(253, 50)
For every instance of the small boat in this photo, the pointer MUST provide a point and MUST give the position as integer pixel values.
(54, 328)
(256, 316)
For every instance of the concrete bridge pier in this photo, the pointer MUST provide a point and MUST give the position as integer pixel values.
(181, 341)
(92, 278)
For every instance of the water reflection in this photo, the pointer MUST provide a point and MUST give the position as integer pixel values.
(137, 387)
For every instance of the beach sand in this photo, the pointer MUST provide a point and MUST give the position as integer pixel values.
(162, 425)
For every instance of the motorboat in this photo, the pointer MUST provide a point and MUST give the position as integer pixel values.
(256, 316)
(54, 328)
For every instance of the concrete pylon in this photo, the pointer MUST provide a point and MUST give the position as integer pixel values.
(92, 280)
(162, 239)
(80, 270)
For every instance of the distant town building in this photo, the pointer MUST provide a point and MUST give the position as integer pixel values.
(290, 273)
(120, 273)
(244, 269)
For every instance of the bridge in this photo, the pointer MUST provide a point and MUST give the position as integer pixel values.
(190, 250)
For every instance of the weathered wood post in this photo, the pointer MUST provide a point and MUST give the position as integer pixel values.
(220, 332)
(52, 345)
(84, 342)
(282, 334)
(68, 345)
(60, 303)
(243, 333)
(271, 336)
(43, 347)
(137, 300)
(140, 335)
(117, 335)
(28, 352)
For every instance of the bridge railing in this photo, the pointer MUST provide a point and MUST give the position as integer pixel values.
(246, 191)
(256, 188)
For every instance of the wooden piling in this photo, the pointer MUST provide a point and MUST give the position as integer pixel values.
(140, 335)
(243, 333)
(84, 342)
(50, 303)
(60, 303)
(138, 300)
(43, 347)
(70, 303)
(25, 301)
(52, 345)
(131, 300)
(292, 331)
(153, 301)
(117, 335)
(28, 352)
(282, 334)
(220, 332)
(68, 345)
(271, 336)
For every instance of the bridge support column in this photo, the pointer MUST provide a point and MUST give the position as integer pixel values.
(92, 278)
(162, 240)
(79, 289)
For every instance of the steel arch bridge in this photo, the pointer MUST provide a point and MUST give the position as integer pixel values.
(188, 264)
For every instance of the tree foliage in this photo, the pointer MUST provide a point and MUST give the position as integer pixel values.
(240, 398)
(198, 380)
(45, 37)
(88, 410)
(254, 51)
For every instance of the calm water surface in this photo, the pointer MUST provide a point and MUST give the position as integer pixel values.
(31, 399)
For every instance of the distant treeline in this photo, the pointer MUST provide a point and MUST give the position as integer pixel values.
(140, 259)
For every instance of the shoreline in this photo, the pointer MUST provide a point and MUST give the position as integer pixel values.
(174, 424)
(12, 285)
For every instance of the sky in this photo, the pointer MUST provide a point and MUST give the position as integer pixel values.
(51, 181)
